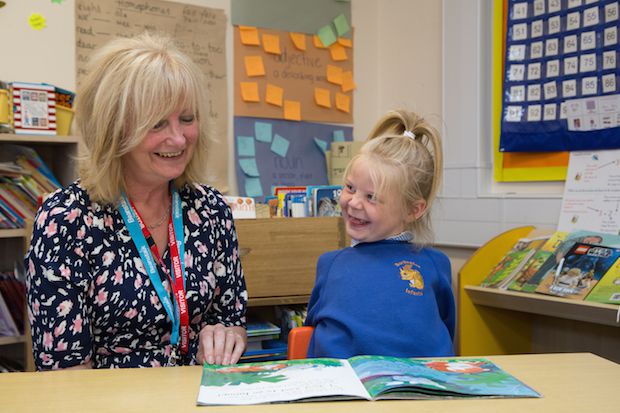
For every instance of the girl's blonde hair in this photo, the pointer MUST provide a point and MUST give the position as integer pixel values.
(132, 84)
(404, 155)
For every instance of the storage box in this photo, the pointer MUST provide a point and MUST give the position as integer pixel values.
(279, 255)
(64, 117)
(4, 106)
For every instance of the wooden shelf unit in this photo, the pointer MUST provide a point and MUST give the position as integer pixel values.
(492, 321)
(59, 153)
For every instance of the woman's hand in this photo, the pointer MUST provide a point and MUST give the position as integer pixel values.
(218, 344)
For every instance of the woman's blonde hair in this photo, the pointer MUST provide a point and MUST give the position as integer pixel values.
(404, 155)
(132, 84)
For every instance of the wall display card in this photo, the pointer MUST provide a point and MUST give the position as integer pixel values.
(199, 31)
(560, 89)
(291, 77)
(33, 108)
(592, 193)
(271, 152)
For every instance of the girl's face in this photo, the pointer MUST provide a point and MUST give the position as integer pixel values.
(164, 152)
(367, 218)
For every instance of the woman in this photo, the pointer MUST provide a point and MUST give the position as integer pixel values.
(136, 264)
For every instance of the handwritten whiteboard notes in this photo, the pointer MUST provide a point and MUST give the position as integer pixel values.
(199, 31)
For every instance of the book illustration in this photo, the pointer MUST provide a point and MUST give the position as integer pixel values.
(361, 377)
(579, 271)
(536, 261)
(512, 263)
(607, 290)
(33, 108)
(242, 207)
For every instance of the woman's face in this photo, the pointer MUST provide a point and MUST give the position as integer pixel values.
(164, 152)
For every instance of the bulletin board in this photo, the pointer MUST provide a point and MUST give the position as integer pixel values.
(561, 74)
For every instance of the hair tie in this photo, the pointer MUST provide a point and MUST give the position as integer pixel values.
(409, 134)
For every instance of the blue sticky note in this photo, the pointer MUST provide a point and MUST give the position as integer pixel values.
(338, 135)
(249, 167)
(279, 145)
(253, 187)
(245, 146)
(321, 144)
(262, 131)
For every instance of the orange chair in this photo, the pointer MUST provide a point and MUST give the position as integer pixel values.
(298, 340)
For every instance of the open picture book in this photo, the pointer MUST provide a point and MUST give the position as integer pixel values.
(361, 377)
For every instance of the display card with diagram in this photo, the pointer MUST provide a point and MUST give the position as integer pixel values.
(560, 87)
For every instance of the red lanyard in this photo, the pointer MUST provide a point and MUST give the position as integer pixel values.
(176, 283)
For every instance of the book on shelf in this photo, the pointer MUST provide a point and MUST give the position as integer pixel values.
(33, 108)
(361, 377)
(325, 201)
(7, 323)
(578, 271)
(565, 242)
(509, 266)
(13, 291)
(242, 207)
(607, 290)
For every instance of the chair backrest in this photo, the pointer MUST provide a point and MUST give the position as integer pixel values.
(298, 340)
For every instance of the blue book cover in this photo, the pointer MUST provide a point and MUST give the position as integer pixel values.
(326, 201)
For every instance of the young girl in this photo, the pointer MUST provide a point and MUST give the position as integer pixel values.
(389, 293)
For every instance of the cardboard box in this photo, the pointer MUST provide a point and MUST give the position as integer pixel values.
(340, 155)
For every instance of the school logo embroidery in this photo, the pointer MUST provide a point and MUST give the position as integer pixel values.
(409, 272)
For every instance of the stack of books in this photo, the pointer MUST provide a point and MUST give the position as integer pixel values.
(263, 342)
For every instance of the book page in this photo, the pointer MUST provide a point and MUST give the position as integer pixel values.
(391, 377)
(278, 381)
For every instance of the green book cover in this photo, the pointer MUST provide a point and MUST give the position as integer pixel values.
(607, 290)
(511, 263)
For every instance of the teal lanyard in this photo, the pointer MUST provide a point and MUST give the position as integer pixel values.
(135, 230)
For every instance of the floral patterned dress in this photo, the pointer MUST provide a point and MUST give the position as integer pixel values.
(90, 297)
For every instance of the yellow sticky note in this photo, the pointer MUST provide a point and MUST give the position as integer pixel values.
(292, 110)
(36, 21)
(345, 42)
(274, 94)
(338, 52)
(249, 91)
(299, 40)
(347, 81)
(249, 35)
(322, 97)
(271, 43)
(317, 42)
(334, 74)
(343, 102)
(254, 66)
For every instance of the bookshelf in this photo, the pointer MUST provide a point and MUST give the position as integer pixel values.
(59, 153)
(492, 321)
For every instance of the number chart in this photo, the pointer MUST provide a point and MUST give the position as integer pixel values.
(560, 88)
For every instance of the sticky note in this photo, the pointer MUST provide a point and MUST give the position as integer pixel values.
(327, 36)
(262, 131)
(322, 97)
(245, 146)
(321, 144)
(253, 187)
(279, 145)
(249, 35)
(345, 42)
(299, 40)
(338, 52)
(249, 167)
(334, 74)
(343, 102)
(271, 43)
(274, 95)
(292, 110)
(317, 42)
(249, 91)
(342, 25)
(338, 135)
(36, 21)
(254, 66)
(347, 81)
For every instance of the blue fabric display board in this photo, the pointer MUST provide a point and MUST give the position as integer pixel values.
(272, 152)
(560, 89)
